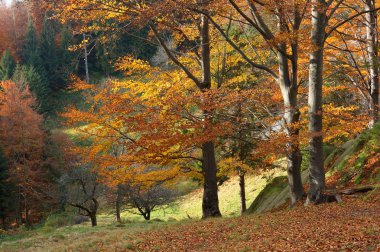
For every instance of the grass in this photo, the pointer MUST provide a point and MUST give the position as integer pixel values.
(83, 237)
(329, 227)
(190, 205)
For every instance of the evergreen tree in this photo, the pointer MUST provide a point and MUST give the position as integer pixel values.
(6, 191)
(7, 66)
(28, 75)
(67, 58)
(30, 54)
(49, 52)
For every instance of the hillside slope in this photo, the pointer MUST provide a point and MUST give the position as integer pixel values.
(349, 226)
(353, 164)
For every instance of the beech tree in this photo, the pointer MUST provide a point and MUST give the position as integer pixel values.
(285, 42)
(158, 16)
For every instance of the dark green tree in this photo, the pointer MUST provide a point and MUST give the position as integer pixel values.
(30, 50)
(49, 52)
(7, 66)
(68, 59)
(28, 75)
(7, 205)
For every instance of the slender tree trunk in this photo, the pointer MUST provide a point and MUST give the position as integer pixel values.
(210, 204)
(317, 173)
(372, 48)
(118, 204)
(86, 58)
(94, 221)
(4, 224)
(243, 204)
(289, 90)
(20, 208)
(27, 221)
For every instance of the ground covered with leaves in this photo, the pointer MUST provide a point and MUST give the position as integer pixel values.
(353, 225)
(350, 226)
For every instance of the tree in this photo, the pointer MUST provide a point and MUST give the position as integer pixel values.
(7, 66)
(322, 15)
(49, 52)
(146, 199)
(22, 140)
(7, 205)
(30, 54)
(201, 76)
(28, 76)
(83, 190)
(285, 41)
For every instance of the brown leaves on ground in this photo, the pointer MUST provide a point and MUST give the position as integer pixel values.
(351, 226)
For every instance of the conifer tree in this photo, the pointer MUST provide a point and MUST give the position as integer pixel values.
(6, 188)
(29, 76)
(7, 66)
(49, 52)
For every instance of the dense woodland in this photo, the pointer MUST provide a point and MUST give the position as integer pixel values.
(114, 104)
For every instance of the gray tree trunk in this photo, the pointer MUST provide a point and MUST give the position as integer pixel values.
(372, 48)
(289, 90)
(316, 169)
(86, 58)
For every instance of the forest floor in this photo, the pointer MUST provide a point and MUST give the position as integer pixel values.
(353, 225)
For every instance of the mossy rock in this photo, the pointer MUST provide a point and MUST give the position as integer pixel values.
(351, 160)
(273, 195)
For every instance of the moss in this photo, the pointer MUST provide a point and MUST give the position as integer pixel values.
(352, 161)
(268, 195)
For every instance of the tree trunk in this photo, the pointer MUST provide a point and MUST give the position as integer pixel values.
(27, 221)
(289, 91)
(20, 209)
(146, 215)
(86, 58)
(118, 204)
(317, 173)
(372, 48)
(210, 204)
(243, 204)
(4, 224)
(94, 221)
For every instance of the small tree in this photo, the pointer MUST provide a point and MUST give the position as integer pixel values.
(28, 75)
(145, 199)
(82, 191)
(7, 66)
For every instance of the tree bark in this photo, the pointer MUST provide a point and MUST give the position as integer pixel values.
(94, 221)
(27, 220)
(146, 215)
(289, 91)
(316, 169)
(118, 204)
(372, 48)
(210, 204)
(243, 204)
(86, 58)
(3, 221)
